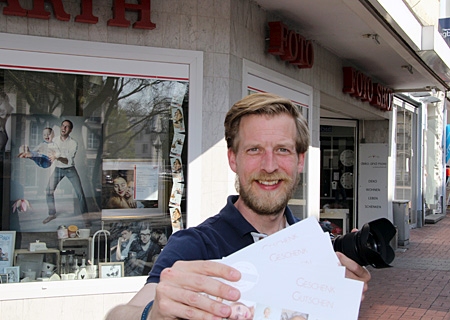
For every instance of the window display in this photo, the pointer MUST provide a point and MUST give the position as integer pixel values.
(95, 152)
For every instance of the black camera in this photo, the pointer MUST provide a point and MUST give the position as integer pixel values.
(370, 245)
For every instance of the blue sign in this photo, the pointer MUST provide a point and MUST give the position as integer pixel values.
(444, 29)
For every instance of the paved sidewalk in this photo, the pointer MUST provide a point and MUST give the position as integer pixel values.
(418, 285)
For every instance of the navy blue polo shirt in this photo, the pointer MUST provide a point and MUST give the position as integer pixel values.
(215, 238)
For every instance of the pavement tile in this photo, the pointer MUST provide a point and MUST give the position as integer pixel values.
(418, 284)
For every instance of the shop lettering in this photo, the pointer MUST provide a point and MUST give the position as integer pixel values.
(360, 86)
(280, 242)
(287, 255)
(290, 46)
(445, 33)
(301, 282)
(143, 8)
(298, 296)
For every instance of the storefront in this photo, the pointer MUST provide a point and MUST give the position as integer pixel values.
(145, 103)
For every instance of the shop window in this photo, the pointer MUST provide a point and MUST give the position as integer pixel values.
(404, 171)
(127, 152)
(93, 140)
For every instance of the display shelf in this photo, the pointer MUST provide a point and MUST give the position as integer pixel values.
(80, 245)
(26, 252)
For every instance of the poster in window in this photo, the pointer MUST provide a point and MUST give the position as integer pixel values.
(7, 243)
(52, 176)
(130, 189)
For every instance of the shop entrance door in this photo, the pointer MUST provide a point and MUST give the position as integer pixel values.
(338, 173)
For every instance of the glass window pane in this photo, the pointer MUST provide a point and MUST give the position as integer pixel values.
(403, 188)
(125, 168)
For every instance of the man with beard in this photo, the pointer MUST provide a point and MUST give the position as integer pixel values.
(267, 139)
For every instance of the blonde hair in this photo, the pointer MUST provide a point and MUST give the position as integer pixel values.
(264, 104)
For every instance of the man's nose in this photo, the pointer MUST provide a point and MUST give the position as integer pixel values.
(269, 162)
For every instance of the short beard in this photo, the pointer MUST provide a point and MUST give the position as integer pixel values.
(267, 206)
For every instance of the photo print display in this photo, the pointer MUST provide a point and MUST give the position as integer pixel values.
(176, 194)
(178, 120)
(176, 218)
(177, 169)
(111, 270)
(7, 244)
(5, 126)
(137, 245)
(13, 274)
(130, 189)
(3, 278)
(51, 181)
(177, 144)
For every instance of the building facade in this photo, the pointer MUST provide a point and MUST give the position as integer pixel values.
(146, 87)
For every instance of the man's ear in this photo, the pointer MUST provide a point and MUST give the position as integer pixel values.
(301, 162)
(232, 159)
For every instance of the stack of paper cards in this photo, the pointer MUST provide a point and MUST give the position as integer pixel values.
(294, 274)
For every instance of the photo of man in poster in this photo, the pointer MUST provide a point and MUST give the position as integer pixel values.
(47, 150)
(64, 167)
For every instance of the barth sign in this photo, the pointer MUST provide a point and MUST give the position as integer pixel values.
(143, 8)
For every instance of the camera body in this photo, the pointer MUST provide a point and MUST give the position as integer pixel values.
(370, 245)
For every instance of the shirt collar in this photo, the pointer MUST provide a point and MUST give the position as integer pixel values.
(235, 218)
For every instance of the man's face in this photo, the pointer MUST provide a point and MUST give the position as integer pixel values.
(65, 129)
(145, 236)
(126, 234)
(266, 163)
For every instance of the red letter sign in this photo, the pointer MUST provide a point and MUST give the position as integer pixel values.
(39, 11)
(290, 46)
(143, 21)
(360, 86)
(86, 15)
(13, 8)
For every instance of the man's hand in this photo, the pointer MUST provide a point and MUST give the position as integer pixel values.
(188, 290)
(355, 271)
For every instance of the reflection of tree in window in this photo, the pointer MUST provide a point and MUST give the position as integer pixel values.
(120, 112)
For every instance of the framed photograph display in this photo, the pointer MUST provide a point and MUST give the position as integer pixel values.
(111, 270)
(13, 274)
(3, 278)
(7, 243)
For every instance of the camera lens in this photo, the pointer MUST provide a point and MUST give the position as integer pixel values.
(370, 245)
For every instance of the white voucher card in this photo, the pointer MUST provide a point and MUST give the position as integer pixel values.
(296, 273)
